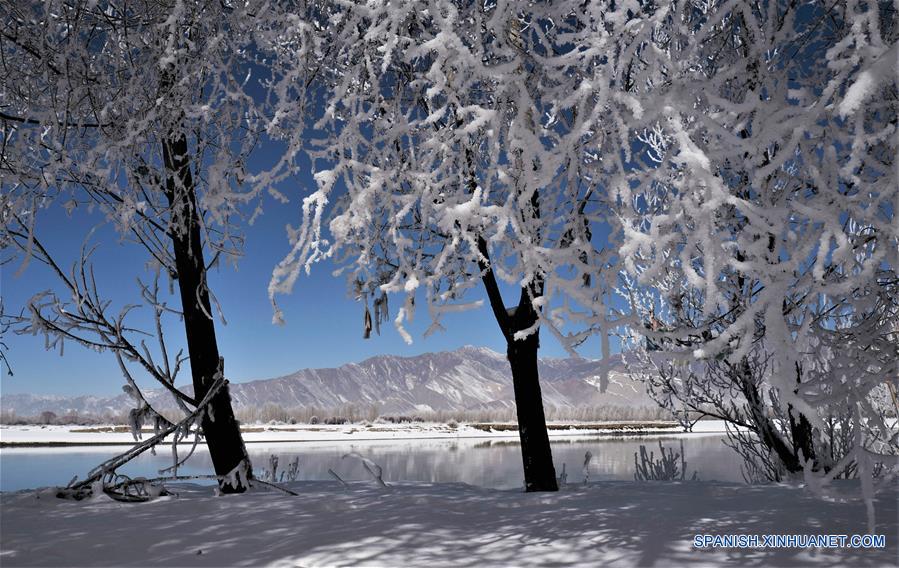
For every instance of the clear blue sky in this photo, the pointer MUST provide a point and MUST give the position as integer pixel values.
(323, 329)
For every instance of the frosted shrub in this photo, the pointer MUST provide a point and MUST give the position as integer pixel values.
(563, 477)
(272, 475)
(293, 470)
(48, 417)
(588, 457)
(670, 466)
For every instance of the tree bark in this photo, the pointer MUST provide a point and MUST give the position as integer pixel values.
(801, 436)
(220, 428)
(801, 430)
(766, 429)
(536, 454)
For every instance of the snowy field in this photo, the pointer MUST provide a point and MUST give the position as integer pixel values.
(604, 523)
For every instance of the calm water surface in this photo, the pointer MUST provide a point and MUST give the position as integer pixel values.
(486, 463)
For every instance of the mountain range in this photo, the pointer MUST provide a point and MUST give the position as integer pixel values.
(469, 378)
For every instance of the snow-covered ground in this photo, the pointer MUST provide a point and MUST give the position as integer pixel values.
(92, 435)
(611, 523)
(608, 523)
(605, 523)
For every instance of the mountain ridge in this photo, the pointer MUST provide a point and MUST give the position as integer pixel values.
(468, 378)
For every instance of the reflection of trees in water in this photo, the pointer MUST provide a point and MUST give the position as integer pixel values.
(497, 463)
(487, 463)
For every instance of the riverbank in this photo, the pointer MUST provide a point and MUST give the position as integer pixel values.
(54, 436)
(607, 523)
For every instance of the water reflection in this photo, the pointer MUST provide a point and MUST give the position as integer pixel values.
(492, 463)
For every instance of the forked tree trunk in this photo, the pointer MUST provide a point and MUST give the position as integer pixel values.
(789, 452)
(220, 428)
(536, 454)
(800, 429)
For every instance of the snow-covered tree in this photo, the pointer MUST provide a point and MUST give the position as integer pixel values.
(764, 214)
(149, 112)
(466, 144)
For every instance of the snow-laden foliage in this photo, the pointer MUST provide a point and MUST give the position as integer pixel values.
(468, 136)
(93, 92)
(763, 211)
(149, 112)
(102, 102)
(467, 143)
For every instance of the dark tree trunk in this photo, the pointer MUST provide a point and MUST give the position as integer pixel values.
(766, 429)
(536, 454)
(803, 441)
(800, 429)
(220, 428)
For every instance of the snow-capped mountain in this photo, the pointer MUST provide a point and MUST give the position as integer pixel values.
(469, 378)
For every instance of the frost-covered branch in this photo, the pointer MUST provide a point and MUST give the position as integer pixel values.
(109, 467)
(760, 219)
(476, 143)
(84, 319)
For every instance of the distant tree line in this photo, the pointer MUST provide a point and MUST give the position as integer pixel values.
(356, 413)
(47, 417)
